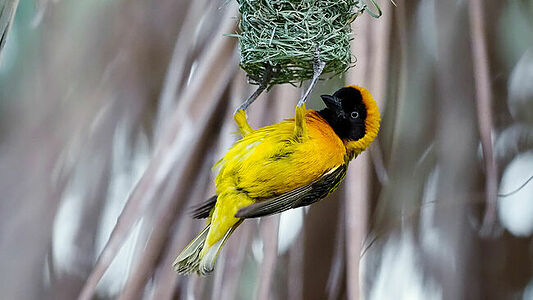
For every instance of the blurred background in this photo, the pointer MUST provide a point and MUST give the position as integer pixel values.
(113, 112)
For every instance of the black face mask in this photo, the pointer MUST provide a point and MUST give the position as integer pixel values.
(346, 113)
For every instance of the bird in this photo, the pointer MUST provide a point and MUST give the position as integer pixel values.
(282, 166)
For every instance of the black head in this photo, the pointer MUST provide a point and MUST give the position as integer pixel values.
(346, 113)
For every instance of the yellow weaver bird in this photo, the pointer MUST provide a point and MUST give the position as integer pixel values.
(282, 166)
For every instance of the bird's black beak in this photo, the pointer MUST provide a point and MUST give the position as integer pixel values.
(332, 102)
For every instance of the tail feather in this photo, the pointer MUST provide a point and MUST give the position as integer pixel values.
(188, 261)
(193, 260)
(203, 210)
(207, 262)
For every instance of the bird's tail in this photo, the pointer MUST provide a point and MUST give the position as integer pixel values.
(188, 261)
(193, 260)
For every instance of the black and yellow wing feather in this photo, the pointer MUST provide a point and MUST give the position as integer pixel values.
(301, 196)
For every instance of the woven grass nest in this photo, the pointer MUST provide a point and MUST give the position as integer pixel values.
(285, 34)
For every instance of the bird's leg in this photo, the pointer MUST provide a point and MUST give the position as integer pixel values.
(240, 113)
(300, 129)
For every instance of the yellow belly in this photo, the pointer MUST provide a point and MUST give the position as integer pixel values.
(269, 162)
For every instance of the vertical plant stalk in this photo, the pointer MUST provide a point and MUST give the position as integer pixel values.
(376, 153)
(295, 284)
(357, 197)
(338, 265)
(356, 185)
(371, 71)
(484, 112)
(380, 68)
(401, 23)
(455, 160)
(270, 228)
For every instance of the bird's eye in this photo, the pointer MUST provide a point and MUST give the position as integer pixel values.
(354, 115)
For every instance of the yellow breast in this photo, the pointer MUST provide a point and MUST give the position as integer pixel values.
(269, 161)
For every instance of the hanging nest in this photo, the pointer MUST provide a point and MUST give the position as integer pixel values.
(284, 34)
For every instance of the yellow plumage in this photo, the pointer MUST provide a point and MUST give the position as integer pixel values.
(275, 163)
(271, 161)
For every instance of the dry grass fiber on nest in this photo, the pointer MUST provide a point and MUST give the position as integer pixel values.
(285, 34)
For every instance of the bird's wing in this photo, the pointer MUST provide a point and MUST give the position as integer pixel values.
(301, 196)
(203, 210)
